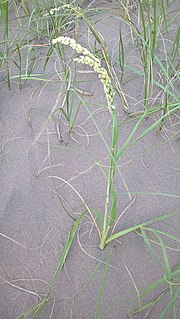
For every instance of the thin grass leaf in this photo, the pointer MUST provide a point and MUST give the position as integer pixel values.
(115, 134)
(155, 18)
(48, 56)
(158, 84)
(129, 230)
(66, 249)
(121, 151)
(105, 142)
(143, 20)
(149, 304)
(113, 214)
(65, 114)
(170, 303)
(175, 238)
(153, 126)
(102, 286)
(99, 219)
(168, 269)
(175, 45)
(61, 262)
(150, 247)
(165, 71)
(121, 55)
(163, 13)
(102, 170)
(81, 293)
(159, 282)
(26, 7)
(4, 8)
(28, 312)
(152, 287)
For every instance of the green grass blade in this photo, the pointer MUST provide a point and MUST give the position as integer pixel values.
(113, 213)
(146, 239)
(66, 249)
(152, 287)
(100, 220)
(26, 7)
(154, 31)
(4, 11)
(129, 230)
(168, 269)
(166, 234)
(49, 53)
(158, 84)
(121, 55)
(102, 286)
(149, 304)
(4, 16)
(170, 303)
(81, 293)
(61, 261)
(126, 143)
(152, 193)
(175, 45)
(153, 126)
(159, 282)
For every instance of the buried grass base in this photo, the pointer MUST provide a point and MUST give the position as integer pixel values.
(104, 237)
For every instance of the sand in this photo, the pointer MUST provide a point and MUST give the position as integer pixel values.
(33, 224)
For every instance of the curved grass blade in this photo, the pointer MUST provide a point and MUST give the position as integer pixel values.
(149, 304)
(129, 230)
(60, 265)
(81, 293)
(165, 234)
(158, 84)
(152, 127)
(170, 303)
(152, 287)
(65, 251)
(160, 282)
(126, 143)
(146, 239)
(168, 271)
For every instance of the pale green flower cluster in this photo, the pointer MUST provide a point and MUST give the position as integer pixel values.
(104, 77)
(78, 10)
(74, 45)
(89, 59)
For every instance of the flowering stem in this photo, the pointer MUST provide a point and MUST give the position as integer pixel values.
(88, 58)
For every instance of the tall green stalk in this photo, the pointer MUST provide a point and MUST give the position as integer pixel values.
(110, 210)
(88, 58)
(4, 10)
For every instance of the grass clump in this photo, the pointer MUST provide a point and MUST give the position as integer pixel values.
(170, 279)
(46, 23)
(4, 53)
(89, 59)
(110, 212)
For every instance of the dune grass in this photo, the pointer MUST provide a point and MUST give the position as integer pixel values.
(110, 212)
(4, 53)
(170, 277)
(52, 28)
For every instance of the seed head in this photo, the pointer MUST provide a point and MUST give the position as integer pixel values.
(88, 58)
